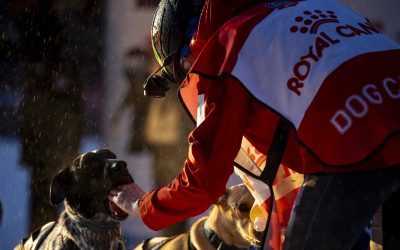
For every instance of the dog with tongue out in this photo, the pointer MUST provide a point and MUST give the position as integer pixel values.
(90, 219)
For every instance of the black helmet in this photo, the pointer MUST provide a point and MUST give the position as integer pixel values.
(169, 34)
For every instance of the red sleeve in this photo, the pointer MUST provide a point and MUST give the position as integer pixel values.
(213, 145)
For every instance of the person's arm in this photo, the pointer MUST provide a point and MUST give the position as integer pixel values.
(212, 148)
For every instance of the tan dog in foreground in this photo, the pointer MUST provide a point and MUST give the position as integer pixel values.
(228, 224)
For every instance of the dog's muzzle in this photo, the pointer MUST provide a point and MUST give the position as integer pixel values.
(118, 173)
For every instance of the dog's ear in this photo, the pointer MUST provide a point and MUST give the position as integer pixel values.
(59, 186)
(222, 198)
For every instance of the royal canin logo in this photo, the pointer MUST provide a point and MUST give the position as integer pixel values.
(310, 22)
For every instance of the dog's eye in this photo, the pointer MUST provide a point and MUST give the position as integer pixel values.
(243, 208)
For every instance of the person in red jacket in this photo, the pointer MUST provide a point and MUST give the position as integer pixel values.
(312, 72)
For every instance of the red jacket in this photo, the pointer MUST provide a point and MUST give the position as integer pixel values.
(231, 111)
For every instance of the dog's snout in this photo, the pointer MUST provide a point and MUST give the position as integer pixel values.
(118, 165)
(117, 173)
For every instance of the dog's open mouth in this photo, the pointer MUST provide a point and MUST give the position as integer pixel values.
(114, 211)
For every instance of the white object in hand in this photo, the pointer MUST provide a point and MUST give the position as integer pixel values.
(127, 198)
(259, 224)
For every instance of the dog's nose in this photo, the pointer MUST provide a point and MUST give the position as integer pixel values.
(118, 165)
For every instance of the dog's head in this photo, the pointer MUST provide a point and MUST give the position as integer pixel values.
(86, 184)
(233, 210)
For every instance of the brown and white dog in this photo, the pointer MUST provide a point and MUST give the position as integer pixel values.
(228, 226)
(89, 221)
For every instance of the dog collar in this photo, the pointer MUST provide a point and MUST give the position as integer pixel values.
(217, 242)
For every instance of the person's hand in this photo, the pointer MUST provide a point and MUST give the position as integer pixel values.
(127, 198)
